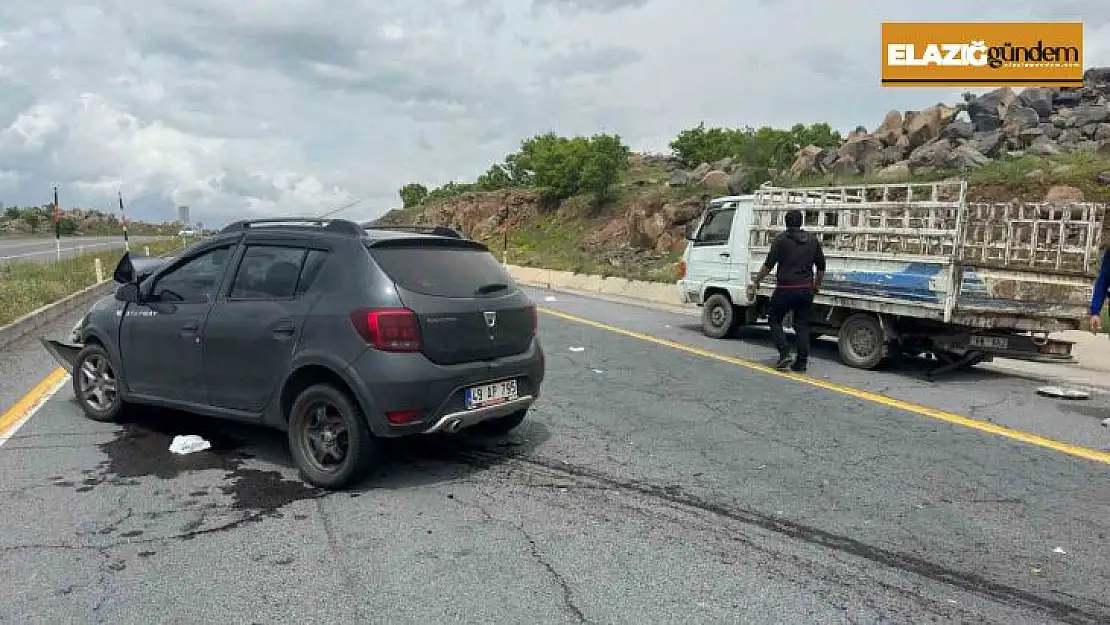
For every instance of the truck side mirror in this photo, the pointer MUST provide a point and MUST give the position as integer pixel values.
(691, 230)
(125, 270)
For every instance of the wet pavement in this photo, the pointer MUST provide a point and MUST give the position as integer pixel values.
(648, 485)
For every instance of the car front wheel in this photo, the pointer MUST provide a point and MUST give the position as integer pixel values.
(96, 385)
(329, 438)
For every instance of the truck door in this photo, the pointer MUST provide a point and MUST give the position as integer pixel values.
(710, 257)
(739, 271)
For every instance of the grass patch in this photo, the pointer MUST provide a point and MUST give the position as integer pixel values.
(26, 285)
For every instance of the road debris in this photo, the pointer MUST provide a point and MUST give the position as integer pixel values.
(188, 443)
(550, 298)
(577, 349)
(1059, 550)
(1060, 392)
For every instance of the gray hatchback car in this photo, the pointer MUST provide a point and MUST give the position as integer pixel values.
(339, 333)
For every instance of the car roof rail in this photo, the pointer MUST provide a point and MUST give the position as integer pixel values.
(439, 231)
(344, 226)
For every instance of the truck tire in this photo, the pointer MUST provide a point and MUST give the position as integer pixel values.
(861, 342)
(718, 317)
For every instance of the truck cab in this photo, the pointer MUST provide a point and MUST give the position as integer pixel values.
(715, 271)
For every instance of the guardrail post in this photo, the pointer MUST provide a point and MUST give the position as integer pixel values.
(99, 266)
(80, 250)
(146, 250)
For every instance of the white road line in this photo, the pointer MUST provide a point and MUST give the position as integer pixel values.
(10, 432)
(52, 251)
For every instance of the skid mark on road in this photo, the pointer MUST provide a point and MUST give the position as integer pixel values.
(677, 497)
(890, 402)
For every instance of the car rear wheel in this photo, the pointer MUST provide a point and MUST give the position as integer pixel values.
(95, 384)
(329, 438)
(501, 425)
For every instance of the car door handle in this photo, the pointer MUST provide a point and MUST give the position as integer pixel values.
(189, 328)
(725, 255)
(284, 329)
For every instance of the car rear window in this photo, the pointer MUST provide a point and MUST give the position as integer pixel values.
(443, 270)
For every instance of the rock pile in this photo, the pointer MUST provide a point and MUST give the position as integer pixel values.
(1037, 121)
(720, 175)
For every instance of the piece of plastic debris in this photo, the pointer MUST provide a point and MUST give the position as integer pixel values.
(1059, 550)
(578, 349)
(550, 298)
(1106, 423)
(1036, 571)
(188, 443)
(598, 371)
(1059, 392)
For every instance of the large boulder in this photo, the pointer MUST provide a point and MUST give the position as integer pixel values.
(678, 178)
(987, 110)
(1090, 114)
(1039, 99)
(988, 143)
(890, 128)
(925, 126)
(931, 155)
(805, 162)
(715, 178)
(740, 182)
(1018, 118)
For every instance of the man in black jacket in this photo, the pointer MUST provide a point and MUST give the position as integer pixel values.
(797, 253)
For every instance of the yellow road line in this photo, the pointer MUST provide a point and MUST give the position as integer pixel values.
(31, 401)
(925, 411)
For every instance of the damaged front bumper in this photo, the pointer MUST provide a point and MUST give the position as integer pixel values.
(64, 352)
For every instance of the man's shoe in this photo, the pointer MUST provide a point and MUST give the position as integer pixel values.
(783, 363)
(799, 366)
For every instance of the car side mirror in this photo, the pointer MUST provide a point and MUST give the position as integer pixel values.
(128, 293)
(691, 230)
(125, 270)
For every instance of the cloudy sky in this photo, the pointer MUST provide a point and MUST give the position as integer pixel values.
(261, 106)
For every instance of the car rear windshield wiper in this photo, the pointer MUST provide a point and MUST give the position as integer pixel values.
(490, 288)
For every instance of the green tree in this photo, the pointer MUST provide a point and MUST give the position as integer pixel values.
(565, 166)
(33, 219)
(13, 212)
(755, 148)
(67, 226)
(413, 194)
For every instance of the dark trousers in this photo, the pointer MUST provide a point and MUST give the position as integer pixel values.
(800, 302)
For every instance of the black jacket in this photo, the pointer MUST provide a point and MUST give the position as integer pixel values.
(796, 252)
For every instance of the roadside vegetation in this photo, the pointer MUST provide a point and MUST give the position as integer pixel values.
(27, 285)
(38, 220)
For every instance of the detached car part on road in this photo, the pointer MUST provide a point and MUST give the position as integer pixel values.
(341, 334)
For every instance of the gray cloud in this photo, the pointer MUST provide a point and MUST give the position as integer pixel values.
(252, 108)
(589, 6)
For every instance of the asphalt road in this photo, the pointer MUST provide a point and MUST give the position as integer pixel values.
(650, 485)
(43, 249)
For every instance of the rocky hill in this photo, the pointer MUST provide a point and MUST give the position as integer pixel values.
(34, 220)
(1030, 145)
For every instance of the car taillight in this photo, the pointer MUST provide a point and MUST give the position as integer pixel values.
(682, 269)
(535, 321)
(388, 329)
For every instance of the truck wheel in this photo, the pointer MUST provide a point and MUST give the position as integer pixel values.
(861, 342)
(718, 317)
(96, 384)
(329, 438)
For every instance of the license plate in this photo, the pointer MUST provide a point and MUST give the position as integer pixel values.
(990, 342)
(491, 394)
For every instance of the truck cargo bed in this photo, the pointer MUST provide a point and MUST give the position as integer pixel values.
(896, 248)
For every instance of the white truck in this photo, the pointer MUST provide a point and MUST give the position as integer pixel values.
(912, 269)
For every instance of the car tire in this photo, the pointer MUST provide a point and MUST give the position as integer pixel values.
(501, 425)
(718, 317)
(329, 438)
(96, 384)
